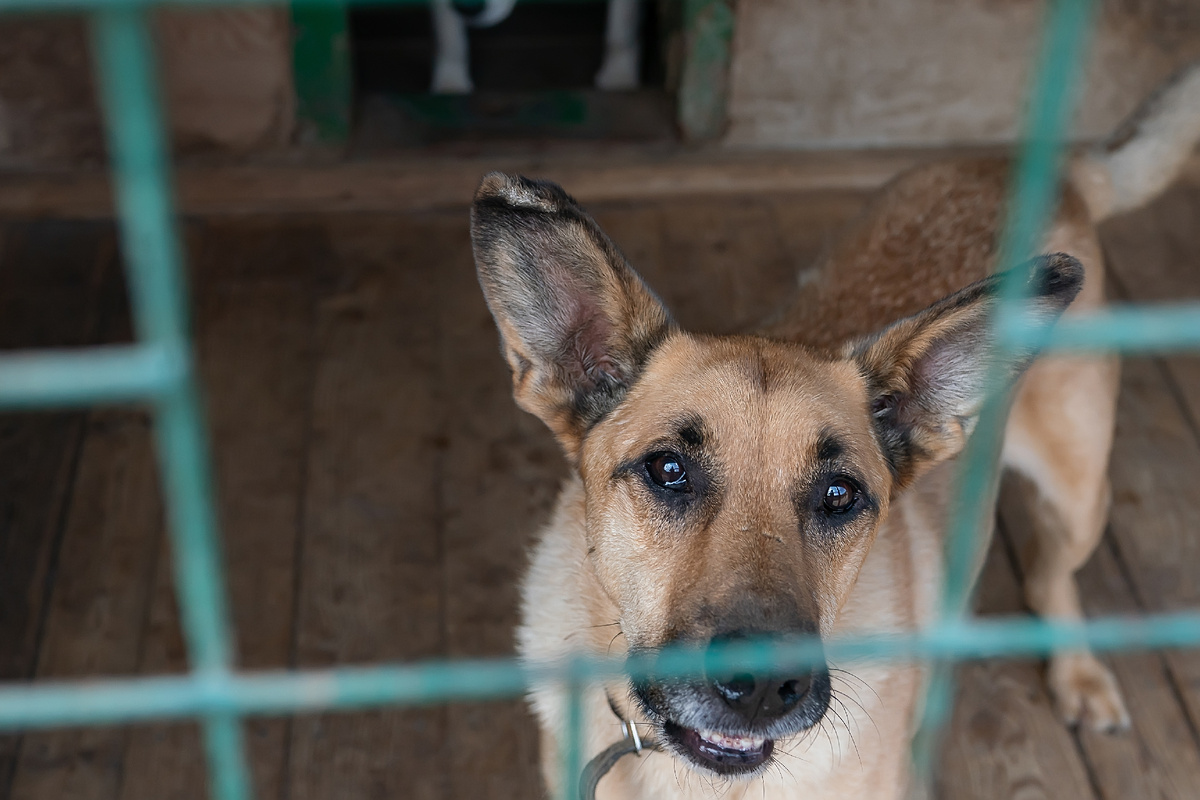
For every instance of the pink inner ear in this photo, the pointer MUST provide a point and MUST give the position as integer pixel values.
(580, 332)
(946, 379)
(588, 357)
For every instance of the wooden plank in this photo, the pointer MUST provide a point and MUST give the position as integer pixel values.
(1158, 757)
(447, 120)
(608, 173)
(1155, 469)
(371, 569)
(725, 266)
(500, 471)
(1004, 739)
(50, 293)
(695, 252)
(253, 311)
(98, 606)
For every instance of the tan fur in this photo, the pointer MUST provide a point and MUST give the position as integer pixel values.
(750, 545)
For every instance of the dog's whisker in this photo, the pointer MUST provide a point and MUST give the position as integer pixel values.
(846, 722)
(848, 674)
(842, 698)
(784, 768)
(835, 750)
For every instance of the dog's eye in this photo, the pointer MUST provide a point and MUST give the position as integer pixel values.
(666, 469)
(840, 496)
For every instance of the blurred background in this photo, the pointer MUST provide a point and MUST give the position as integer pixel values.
(378, 487)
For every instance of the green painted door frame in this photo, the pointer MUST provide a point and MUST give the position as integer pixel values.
(704, 82)
(323, 73)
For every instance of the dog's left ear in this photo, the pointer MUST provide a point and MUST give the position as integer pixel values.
(576, 322)
(926, 374)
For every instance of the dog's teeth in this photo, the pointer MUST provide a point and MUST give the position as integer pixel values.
(733, 742)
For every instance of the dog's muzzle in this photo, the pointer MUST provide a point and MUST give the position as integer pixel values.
(729, 724)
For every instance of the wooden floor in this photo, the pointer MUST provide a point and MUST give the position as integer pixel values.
(379, 489)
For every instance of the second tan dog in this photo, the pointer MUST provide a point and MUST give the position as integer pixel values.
(797, 480)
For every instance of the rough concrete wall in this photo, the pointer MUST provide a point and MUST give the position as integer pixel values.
(48, 111)
(850, 73)
(226, 74)
(229, 76)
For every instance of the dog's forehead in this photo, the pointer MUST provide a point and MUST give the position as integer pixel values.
(744, 391)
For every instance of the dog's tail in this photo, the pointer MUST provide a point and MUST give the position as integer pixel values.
(1147, 152)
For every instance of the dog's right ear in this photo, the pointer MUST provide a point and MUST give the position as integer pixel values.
(576, 322)
(927, 375)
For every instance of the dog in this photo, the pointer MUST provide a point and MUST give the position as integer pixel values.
(797, 480)
(451, 71)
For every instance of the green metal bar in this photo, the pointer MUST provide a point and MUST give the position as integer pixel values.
(1032, 197)
(703, 87)
(225, 749)
(1124, 329)
(183, 462)
(111, 701)
(88, 376)
(125, 62)
(572, 752)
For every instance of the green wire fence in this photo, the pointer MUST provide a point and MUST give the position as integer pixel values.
(160, 369)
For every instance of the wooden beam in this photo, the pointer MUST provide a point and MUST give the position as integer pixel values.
(413, 184)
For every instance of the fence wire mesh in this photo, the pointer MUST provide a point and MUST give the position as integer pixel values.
(161, 370)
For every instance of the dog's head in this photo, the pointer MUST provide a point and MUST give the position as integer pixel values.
(734, 484)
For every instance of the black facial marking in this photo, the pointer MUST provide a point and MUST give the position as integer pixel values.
(891, 431)
(829, 447)
(692, 432)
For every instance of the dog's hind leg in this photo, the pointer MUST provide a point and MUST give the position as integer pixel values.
(1059, 436)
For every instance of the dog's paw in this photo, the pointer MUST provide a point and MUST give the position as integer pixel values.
(1085, 691)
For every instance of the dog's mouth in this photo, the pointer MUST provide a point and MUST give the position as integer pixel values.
(722, 753)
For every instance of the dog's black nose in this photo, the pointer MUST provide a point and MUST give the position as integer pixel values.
(760, 697)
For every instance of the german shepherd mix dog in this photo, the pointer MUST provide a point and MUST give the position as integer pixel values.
(797, 480)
